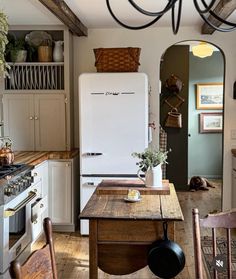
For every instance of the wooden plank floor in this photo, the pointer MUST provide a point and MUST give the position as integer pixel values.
(72, 249)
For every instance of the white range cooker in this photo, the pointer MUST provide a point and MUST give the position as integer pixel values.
(18, 195)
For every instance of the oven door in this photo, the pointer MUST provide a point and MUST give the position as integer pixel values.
(16, 227)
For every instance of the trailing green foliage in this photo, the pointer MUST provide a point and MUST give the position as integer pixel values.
(150, 158)
(3, 42)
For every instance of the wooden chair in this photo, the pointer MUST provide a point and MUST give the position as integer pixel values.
(41, 264)
(226, 220)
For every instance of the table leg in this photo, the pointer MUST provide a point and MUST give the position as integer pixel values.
(93, 250)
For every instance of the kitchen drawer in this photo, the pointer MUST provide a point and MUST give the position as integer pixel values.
(36, 174)
(38, 208)
(126, 230)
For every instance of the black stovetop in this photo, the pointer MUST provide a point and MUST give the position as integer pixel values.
(8, 170)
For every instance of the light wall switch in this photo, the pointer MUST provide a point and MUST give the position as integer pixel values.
(233, 134)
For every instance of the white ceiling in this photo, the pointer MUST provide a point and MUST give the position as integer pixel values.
(27, 12)
(94, 13)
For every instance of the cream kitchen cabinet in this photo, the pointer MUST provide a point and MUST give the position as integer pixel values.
(35, 121)
(63, 194)
(53, 131)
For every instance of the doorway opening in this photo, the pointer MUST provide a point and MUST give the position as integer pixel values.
(197, 146)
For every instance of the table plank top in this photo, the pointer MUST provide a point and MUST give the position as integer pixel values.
(151, 207)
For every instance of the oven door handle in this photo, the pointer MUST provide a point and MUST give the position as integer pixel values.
(12, 211)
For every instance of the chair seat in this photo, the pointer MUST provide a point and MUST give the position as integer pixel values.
(41, 263)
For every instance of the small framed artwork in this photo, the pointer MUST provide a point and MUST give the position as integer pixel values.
(209, 95)
(211, 122)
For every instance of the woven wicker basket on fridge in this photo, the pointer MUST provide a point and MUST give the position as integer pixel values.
(117, 59)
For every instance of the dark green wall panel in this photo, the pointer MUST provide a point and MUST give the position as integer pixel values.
(176, 61)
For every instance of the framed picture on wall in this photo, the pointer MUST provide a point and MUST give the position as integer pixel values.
(209, 95)
(211, 122)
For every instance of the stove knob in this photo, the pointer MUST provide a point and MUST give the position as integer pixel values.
(14, 189)
(29, 178)
(21, 186)
(8, 191)
(16, 185)
(24, 181)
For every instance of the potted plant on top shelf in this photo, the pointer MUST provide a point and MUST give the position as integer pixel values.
(18, 49)
(150, 163)
(3, 42)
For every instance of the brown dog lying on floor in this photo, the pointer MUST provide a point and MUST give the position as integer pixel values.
(199, 183)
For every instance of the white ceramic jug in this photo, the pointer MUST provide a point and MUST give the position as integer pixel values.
(153, 177)
(58, 55)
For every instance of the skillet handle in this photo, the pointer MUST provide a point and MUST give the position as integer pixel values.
(165, 228)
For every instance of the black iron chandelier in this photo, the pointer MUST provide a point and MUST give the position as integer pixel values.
(203, 12)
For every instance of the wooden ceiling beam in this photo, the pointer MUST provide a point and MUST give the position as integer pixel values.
(62, 11)
(223, 9)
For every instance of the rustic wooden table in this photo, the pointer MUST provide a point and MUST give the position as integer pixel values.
(121, 233)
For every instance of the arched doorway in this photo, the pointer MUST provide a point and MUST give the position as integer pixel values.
(194, 152)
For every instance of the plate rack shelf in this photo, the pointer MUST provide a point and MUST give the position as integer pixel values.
(35, 76)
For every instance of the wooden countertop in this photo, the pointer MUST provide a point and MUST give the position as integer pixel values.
(36, 157)
(151, 207)
(233, 152)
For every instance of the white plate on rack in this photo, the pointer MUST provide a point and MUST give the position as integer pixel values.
(16, 77)
(31, 78)
(27, 78)
(12, 79)
(44, 81)
(48, 78)
(35, 69)
(23, 78)
(53, 86)
(39, 78)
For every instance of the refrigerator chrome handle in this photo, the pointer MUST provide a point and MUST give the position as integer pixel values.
(93, 154)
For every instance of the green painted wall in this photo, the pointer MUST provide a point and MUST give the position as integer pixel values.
(204, 150)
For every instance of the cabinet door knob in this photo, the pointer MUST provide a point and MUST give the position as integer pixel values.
(31, 118)
(36, 118)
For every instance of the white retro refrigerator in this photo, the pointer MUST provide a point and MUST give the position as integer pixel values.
(113, 109)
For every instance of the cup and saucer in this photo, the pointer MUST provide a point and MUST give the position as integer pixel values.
(133, 196)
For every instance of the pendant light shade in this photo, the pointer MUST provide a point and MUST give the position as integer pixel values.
(202, 50)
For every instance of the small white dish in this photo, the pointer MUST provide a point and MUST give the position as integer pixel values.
(132, 200)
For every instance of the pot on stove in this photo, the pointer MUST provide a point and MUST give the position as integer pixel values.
(6, 153)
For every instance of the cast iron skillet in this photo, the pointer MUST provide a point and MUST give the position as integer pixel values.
(166, 259)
